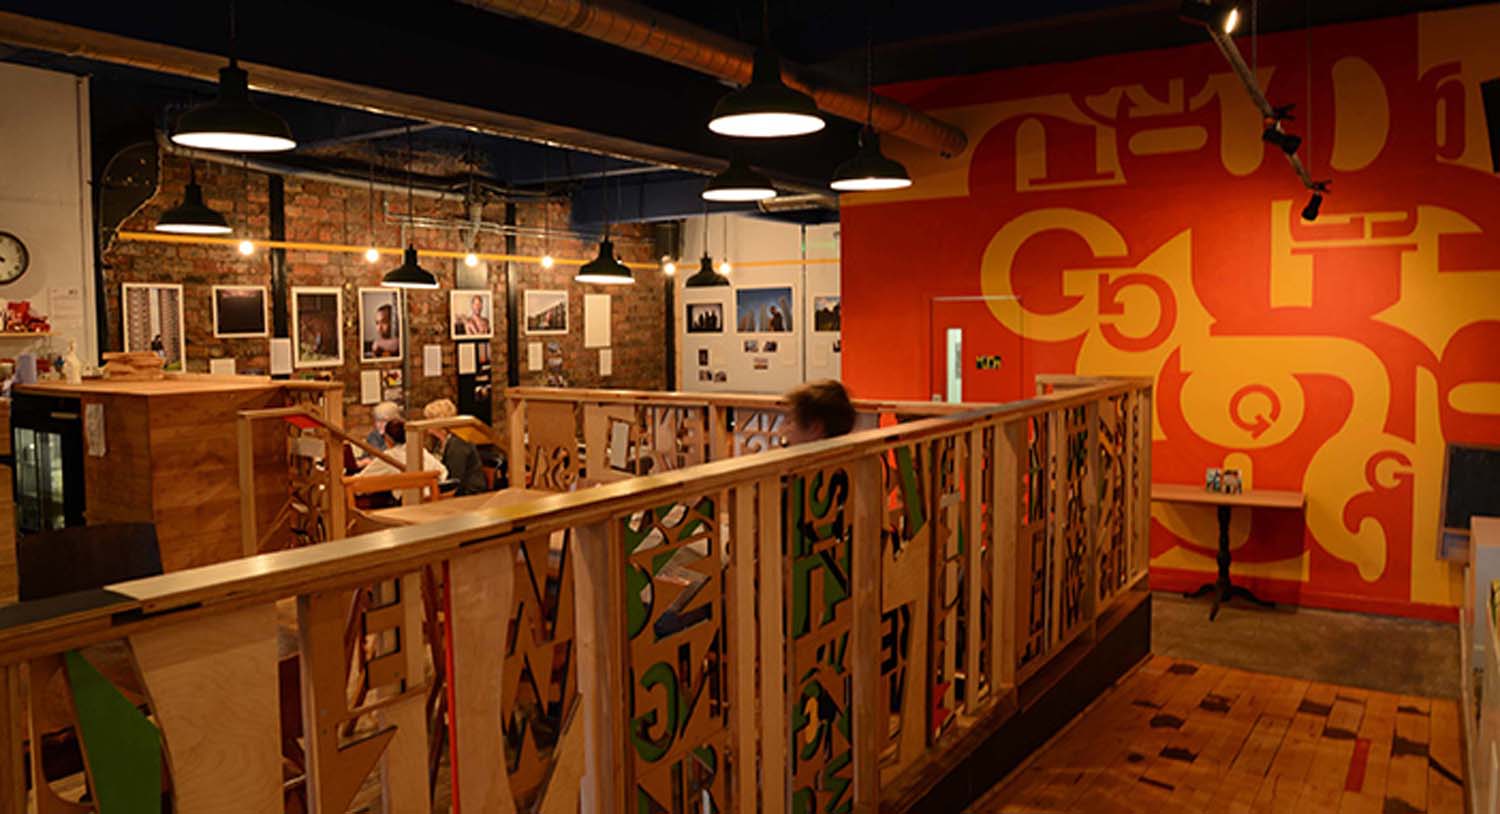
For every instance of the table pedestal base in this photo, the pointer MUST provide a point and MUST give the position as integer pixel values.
(1222, 589)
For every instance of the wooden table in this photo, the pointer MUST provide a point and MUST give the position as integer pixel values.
(453, 507)
(1222, 588)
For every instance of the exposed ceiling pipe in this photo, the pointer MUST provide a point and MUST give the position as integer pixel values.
(626, 25)
(799, 203)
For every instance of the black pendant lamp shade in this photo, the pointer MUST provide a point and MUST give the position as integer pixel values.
(738, 183)
(233, 122)
(604, 269)
(766, 108)
(706, 276)
(409, 274)
(192, 216)
(869, 169)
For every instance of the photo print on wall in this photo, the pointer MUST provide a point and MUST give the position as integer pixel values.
(546, 312)
(318, 317)
(380, 317)
(703, 356)
(764, 310)
(241, 311)
(705, 318)
(469, 313)
(826, 313)
(153, 321)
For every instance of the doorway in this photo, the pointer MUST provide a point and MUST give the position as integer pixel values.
(973, 357)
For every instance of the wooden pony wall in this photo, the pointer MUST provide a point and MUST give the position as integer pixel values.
(786, 631)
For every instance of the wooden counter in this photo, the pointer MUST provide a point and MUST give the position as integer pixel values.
(170, 458)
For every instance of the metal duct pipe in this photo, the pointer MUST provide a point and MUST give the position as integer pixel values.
(626, 25)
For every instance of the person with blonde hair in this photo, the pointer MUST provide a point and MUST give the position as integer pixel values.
(460, 457)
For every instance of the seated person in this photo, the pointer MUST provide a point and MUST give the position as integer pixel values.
(383, 412)
(395, 441)
(459, 456)
(818, 410)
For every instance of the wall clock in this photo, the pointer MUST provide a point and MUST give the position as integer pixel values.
(13, 258)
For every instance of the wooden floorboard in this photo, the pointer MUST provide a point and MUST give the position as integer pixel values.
(1177, 736)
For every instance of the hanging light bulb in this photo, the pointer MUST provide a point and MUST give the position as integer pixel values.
(726, 268)
(410, 273)
(372, 255)
(548, 261)
(247, 248)
(1215, 14)
(668, 267)
(869, 170)
(705, 277)
(738, 183)
(192, 216)
(471, 260)
(231, 121)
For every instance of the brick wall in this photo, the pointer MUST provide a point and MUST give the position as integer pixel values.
(323, 212)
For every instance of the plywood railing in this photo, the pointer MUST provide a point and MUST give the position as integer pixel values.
(804, 629)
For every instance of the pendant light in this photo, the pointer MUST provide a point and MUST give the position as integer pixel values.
(706, 276)
(231, 121)
(192, 216)
(605, 269)
(869, 170)
(738, 183)
(409, 274)
(766, 108)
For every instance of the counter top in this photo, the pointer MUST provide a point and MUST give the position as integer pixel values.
(173, 385)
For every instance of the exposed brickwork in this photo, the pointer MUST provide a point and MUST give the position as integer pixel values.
(323, 212)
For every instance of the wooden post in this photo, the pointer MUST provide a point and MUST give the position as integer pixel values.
(1141, 560)
(1054, 473)
(743, 724)
(481, 589)
(403, 768)
(515, 431)
(868, 497)
(245, 435)
(599, 579)
(12, 734)
(773, 701)
(974, 503)
(718, 434)
(414, 447)
(1007, 586)
(1091, 514)
(333, 458)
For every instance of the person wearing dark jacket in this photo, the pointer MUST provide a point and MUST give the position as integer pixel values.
(458, 455)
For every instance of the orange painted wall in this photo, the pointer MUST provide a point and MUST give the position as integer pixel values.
(1131, 206)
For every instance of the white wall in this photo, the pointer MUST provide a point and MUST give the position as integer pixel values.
(44, 200)
(801, 354)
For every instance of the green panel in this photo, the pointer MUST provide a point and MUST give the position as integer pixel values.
(123, 747)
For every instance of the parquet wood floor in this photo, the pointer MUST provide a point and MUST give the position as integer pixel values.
(1178, 736)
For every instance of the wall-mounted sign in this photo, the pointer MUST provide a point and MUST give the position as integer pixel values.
(987, 362)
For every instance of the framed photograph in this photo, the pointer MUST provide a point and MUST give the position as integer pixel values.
(318, 326)
(826, 313)
(380, 315)
(705, 318)
(764, 310)
(152, 316)
(470, 313)
(241, 311)
(546, 312)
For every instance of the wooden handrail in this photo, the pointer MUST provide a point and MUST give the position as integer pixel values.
(758, 401)
(342, 563)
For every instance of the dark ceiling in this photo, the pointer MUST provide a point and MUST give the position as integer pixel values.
(566, 83)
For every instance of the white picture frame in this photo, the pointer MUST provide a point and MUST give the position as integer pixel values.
(541, 312)
(146, 311)
(236, 328)
(463, 320)
(372, 347)
(310, 326)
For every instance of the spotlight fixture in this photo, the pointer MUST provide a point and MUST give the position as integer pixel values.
(1319, 189)
(738, 183)
(1288, 143)
(548, 261)
(372, 255)
(409, 274)
(604, 269)
(1215, 14)
(471, 260)
(766, 108)
(247, 248)
(192, 216)
(705, 277)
